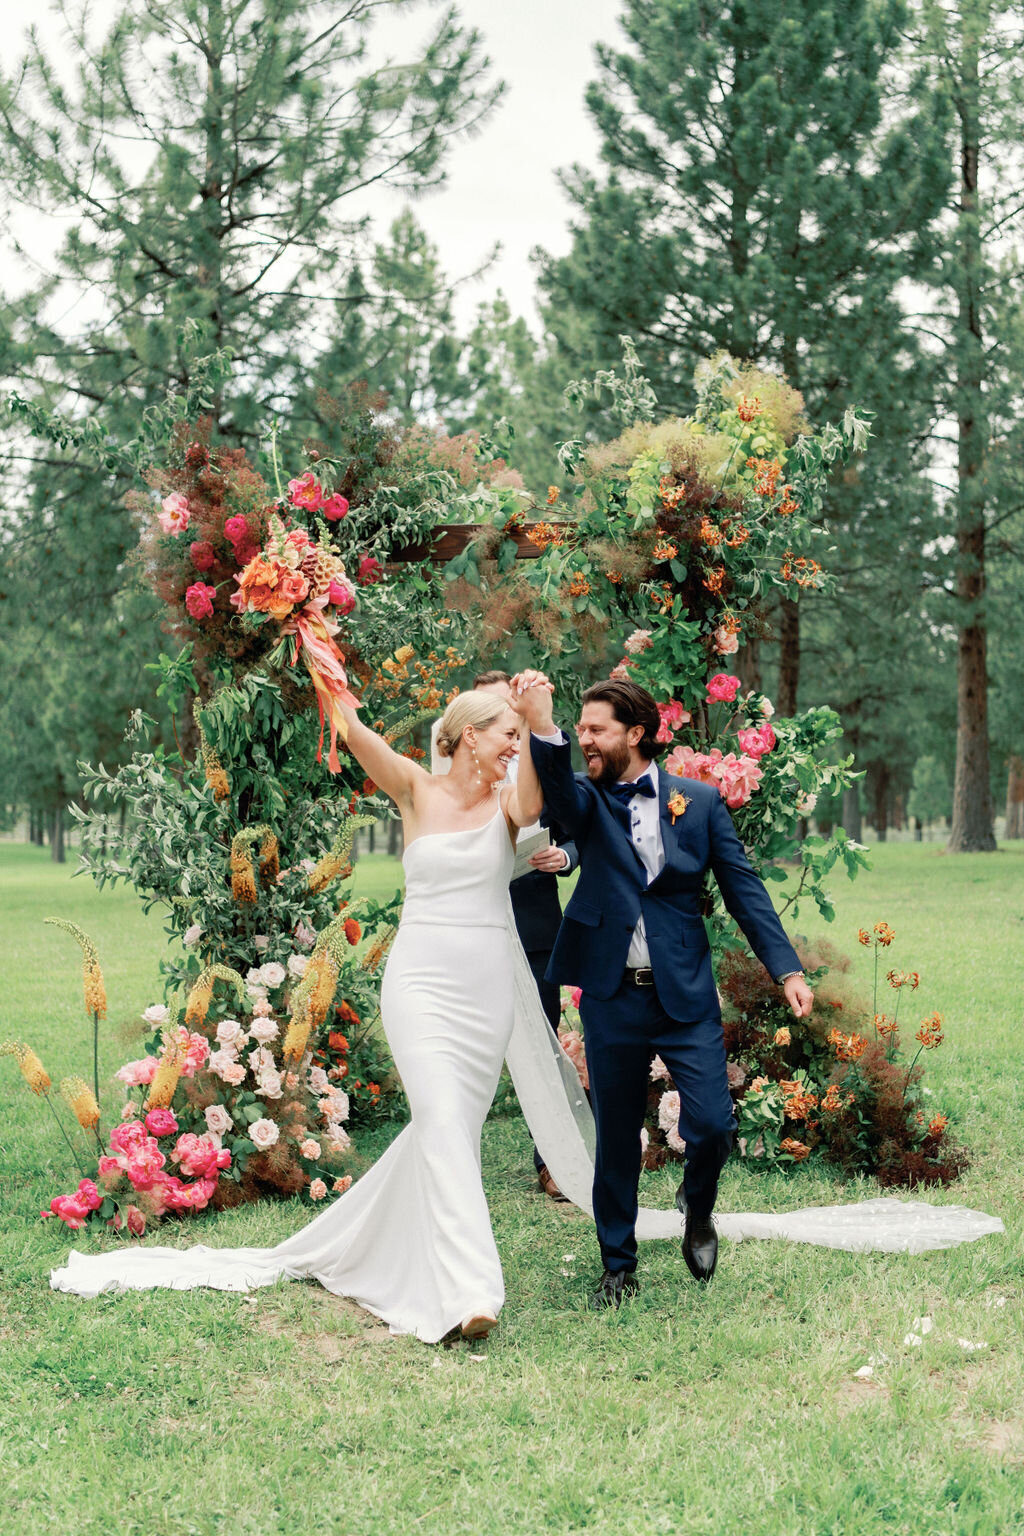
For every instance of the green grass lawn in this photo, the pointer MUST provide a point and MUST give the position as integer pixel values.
(735, 1410)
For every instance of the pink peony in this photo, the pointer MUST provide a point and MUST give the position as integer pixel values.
(200, 1156)
(135, 1072)
(306, 492)
(318, 1080)
(132, 1133)
(204, 557)
(620, 673)
(737, 779)
(672, 715)
(334, 507)
(111, 1167)
(317, 1189)
(342, 594)
(722, 688)
(575, 995)
(144, 1163)
(757, 742)
(71, 1210)
(199, 600)
(89, 1195)
(261, 1008)
(174, 515)
(135, 1221)
(727, 641)
(161, 1122)
(218, 1119)
(370, 571)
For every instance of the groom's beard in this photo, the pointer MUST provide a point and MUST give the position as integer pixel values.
(609, 766)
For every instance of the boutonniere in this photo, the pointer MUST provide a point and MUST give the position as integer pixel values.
(677, 804)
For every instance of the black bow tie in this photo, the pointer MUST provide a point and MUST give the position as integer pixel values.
(626, 792)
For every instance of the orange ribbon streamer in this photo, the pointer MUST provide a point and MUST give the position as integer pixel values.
(325, 664)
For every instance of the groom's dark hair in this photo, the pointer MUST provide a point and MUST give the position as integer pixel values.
(631, 705)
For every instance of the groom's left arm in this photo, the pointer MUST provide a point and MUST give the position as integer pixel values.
(746, 897)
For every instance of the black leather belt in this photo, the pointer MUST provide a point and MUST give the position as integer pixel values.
(639, 976)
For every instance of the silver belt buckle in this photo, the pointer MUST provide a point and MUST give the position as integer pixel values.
(643, 976)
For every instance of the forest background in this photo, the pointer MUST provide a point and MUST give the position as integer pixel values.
(834, 191)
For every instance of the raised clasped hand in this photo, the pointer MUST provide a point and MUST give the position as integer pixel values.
(531, 698)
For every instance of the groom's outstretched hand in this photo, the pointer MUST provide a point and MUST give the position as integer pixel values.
(531, 700)
(798, 995)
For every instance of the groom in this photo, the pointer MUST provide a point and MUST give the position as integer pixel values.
(633, 938)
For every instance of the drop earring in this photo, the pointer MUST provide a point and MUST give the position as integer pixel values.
(479, 770)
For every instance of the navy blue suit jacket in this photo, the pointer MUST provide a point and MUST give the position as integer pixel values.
(535, 901)
(612, 890)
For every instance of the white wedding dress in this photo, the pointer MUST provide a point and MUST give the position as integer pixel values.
(411, 1241)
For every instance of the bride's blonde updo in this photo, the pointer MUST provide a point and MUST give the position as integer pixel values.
(475, 708)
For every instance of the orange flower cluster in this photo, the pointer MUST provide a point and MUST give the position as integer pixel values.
(800, 569)
(767, 473)
(748, 408)
(897, 979)
(671, 495)
(930, 1034)
(833, 1102)
(663, 598)
(353, 932)
(735, 537)
(664, 550)
(579, 586)
(709, 533)
(552, 495)
(337, 1041)
(846, 1047)
(797, 1150)
(937, 1124)
(614, 577)
(863, 937)
(787, 506)
(884, 1026)
(715, 580)
(543, 534)
(799, 1102)
(884, 934)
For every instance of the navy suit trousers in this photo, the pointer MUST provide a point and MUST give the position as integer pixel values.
(623, 1033)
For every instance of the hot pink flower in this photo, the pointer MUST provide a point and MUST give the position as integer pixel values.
(111, 1167)
(132, 1133)
(88, 1194)
(370, 571)
(236, 530)
(135, 1221)
(722, 688)
(757, 742)
(341, 594)
(199, 600)
(161, 1122)
(71, 1210)
(737, 778)
(575, 994)
(199, 1156)
(673, 715)
(306, 492)
(334, 507)
(203, 554)
(174, 515)
(144, 1163)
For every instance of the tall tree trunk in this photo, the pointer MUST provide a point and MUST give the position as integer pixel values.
(972, 830)
(748, 664)
(394, 830)
(1015, 797)
(789, 657)
(853, 821)
(57, 834)
(880, 799)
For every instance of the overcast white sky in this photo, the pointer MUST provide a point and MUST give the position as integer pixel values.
(502, 186)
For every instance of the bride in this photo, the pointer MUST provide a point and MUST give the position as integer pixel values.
(412, 1241)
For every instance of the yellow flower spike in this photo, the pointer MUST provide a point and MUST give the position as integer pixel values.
(378, 949)
(324, 987)
(404, 653)
(31, 1068)
(92, 976)
(330, 866)
(213, 769)
(81, 1100)
(270, 863)
(201, 995)
(297, 1034)
(243, 876)
(168, 1073)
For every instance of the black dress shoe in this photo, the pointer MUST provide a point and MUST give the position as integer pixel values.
(700, 1241)
(613, 1287)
